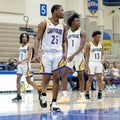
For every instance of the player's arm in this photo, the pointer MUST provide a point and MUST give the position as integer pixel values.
(28, 57)
(38, 40)
(82, 43)
(64, 45)
(87, 54)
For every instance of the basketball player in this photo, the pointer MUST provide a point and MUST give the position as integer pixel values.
(51, 39)
(76, 39)
(94, 60)
(23, 64)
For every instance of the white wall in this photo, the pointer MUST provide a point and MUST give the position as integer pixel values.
(32, 9)
(108, 15)
(76, 5)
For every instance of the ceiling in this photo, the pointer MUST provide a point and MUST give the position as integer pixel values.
(111, 2)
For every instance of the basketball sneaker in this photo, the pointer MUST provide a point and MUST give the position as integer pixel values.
(114, 87)
(54, 107)
(81, 100)
(42, 98)
(87, 96)
(63, 99)
(17, 98)
(99, 95)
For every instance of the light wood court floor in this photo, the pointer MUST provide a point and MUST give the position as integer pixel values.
(29, 108)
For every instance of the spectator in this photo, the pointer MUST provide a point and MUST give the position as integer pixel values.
(115, 73)
(107, 77)
(11, 64)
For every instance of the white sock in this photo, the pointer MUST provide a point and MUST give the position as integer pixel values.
(65, 94)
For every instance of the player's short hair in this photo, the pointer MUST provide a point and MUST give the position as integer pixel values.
(71, 18)
(114, 63)
(96, 33)
(55, 7)
(22, 36)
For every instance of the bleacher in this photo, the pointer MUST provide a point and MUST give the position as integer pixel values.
(9, 44)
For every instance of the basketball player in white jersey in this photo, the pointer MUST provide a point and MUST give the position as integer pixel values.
(51, 39)
(94, 63)
(76, 39)
(23, 64)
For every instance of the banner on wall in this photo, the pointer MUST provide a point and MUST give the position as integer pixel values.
(106, 41)
(91, 7)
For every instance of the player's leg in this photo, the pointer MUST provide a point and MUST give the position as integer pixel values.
(100, 85)
(65, 97)
(80, 67)
(88, 85)
(99, 79)
(58, 64)
(43, 94)
(90, 73)
(53, 105)
(81, 98)
(18, 85)
(46, 71)
(107, 83)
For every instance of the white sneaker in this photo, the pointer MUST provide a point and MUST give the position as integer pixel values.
(43, 101)
(108, 87)
(63, 99)
(111, 88)
(81, 100)
(54, 107)
(114, 86)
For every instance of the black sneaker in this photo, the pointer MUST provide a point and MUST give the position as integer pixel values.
(17, 98)
(99, 96)
(87, 97)
(43, 102)
(54, 107)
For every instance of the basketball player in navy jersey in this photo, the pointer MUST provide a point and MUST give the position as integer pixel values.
(94, 63)
(76, 39)
(24, 64)
(51, 39)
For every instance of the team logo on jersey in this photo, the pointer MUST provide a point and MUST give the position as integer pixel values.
(82, 65)
(62, 63)
(55, 30)
(41, 67)
(29, 74)
(93, 6)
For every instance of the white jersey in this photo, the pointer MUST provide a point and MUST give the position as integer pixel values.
(23, 52)
(115, 71)
(53, 37)
(74, 40)
(95, 52)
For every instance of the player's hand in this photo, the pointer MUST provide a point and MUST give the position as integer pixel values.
(102, 62)
(36, 58)
(87, 69)
(19, 62)
(70, 58)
